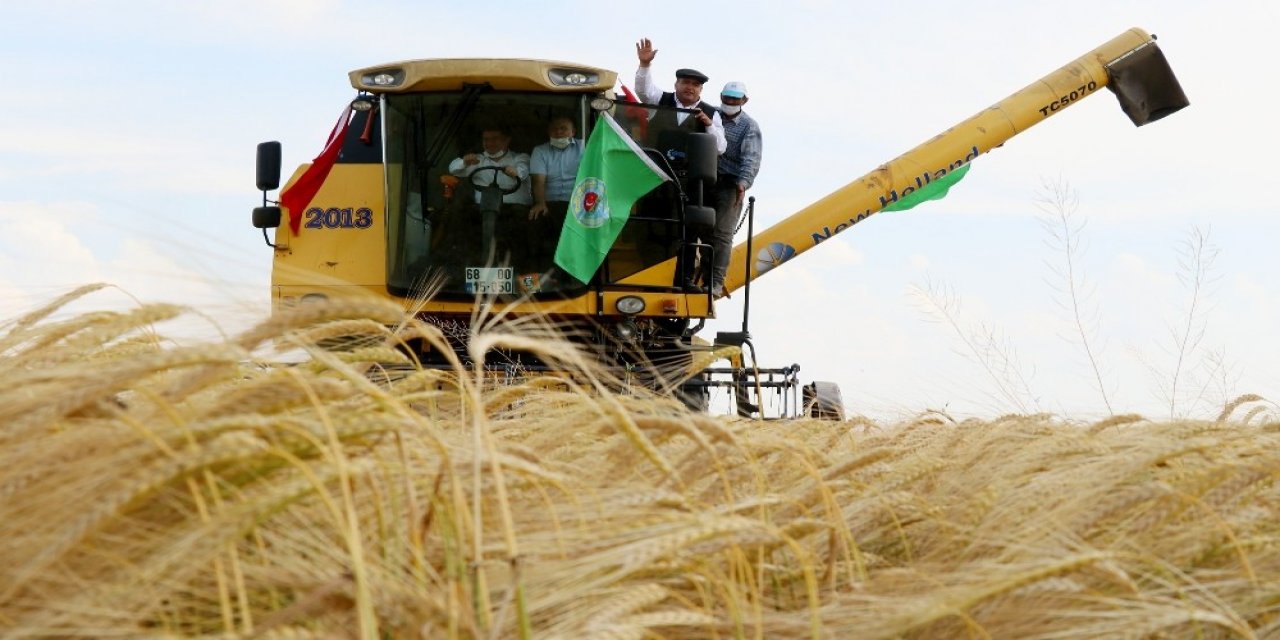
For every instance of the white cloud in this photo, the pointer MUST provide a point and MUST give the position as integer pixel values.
(137, 159)
(838, 254)
(43, 254)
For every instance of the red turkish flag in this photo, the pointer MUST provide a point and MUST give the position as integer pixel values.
(638, 115)
(299, 194)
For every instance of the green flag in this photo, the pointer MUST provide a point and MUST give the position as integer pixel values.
(935, 190)
(613, 174)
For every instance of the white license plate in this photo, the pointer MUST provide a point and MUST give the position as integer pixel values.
(490, 279)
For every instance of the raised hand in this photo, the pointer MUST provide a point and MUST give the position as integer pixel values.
(645, 51)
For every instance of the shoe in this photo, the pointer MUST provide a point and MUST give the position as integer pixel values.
(717, 290)
(693, 287)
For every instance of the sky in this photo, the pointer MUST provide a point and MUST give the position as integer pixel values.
(126, 157)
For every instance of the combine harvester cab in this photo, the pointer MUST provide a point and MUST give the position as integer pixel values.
(384, 211)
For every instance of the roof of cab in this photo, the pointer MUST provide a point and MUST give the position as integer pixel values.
(503, 74)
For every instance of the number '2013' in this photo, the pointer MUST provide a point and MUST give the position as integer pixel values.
(335, 218)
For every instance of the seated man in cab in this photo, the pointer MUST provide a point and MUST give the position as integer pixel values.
(495, 141)
(500, 180)
(554, 170)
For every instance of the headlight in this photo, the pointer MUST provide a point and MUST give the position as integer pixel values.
(601, 103)
(629, 305)
(384, 78)
(626, 330)
(573, 77)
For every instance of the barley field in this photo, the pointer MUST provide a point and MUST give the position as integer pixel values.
(163, 490)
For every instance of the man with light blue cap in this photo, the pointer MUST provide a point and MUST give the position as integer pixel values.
(737, 171)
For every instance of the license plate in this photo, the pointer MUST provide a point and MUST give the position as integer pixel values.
(490, 279)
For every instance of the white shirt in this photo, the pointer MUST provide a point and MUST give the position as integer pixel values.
(651, 94)
(560, 166)
(520, 161)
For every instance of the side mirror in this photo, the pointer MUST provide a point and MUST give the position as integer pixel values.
(268, 166)
(702, 156)
(266, 217)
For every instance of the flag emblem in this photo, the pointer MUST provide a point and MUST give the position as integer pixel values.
(588, 204)
(613, 175)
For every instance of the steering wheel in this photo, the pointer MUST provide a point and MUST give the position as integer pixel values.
(493, 182)
(490, 204)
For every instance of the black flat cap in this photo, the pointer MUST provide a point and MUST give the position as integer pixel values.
(692, 74)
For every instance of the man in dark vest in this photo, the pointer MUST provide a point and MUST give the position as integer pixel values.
(666, 133)
(687, 95)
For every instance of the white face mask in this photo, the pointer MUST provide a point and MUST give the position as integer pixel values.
(560, 143)
(730, 109)
(495, 156)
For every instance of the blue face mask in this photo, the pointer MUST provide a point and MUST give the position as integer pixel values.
(560, 143)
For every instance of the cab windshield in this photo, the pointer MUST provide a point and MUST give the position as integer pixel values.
(461, 193)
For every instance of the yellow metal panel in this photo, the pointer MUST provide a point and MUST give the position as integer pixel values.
(333, 247)
(657, 275)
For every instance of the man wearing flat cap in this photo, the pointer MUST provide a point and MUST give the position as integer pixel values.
(664, 132)
(687, 95)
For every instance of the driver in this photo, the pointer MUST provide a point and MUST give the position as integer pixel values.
(496, 141)
(497, 167)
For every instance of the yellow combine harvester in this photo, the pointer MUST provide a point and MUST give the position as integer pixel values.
(388, 219)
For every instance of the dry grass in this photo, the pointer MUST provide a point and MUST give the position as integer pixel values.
(148, 489)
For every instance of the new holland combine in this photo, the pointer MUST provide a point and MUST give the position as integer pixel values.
(379, 212)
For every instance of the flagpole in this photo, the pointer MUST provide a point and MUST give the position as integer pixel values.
(746, 264)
